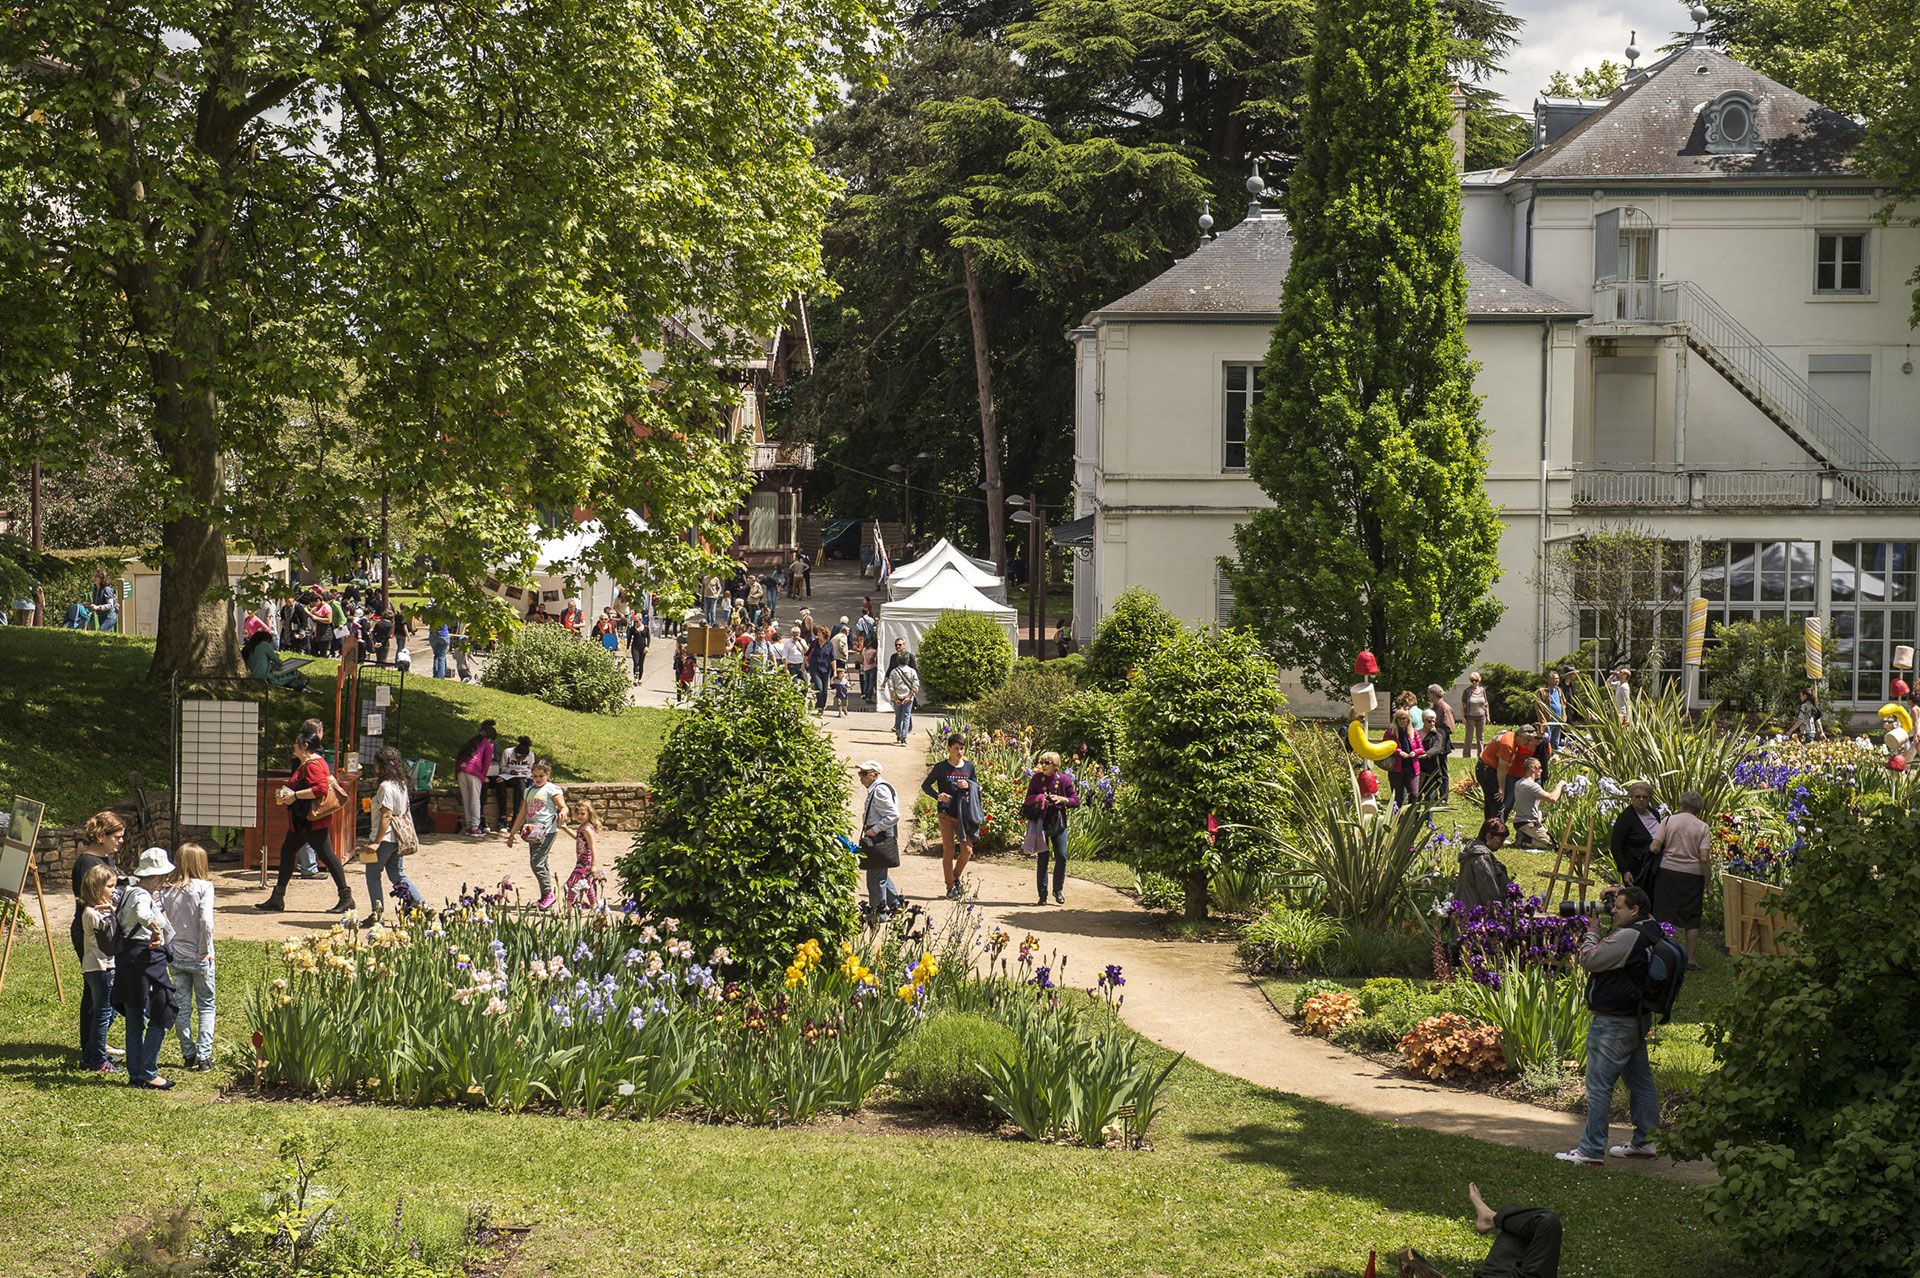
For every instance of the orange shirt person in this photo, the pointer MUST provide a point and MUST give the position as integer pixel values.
(1501, 764)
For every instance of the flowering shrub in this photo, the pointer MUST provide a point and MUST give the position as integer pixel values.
(1518, 929)
(1324, 1013)
(1452, 1047)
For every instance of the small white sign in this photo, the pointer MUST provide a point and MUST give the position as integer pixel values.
(376, 723)
(382, 695)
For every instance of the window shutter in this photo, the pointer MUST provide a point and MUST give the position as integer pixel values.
(1606, 246)
(1222, 598)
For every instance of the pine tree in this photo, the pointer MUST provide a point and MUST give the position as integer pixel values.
(1368, 438)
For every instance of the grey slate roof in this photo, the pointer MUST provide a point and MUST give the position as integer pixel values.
(1655, 127)
(1241, 272)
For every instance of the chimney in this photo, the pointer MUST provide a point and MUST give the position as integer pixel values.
(1457, 133)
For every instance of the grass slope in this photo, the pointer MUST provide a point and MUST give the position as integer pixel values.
(77, 713)
(1241, 1180)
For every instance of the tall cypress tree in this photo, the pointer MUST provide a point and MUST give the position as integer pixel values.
(1368, 435)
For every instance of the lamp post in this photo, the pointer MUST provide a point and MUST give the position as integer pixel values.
(1035, 518)
(905, 471)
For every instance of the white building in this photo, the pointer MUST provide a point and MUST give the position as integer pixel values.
(1686, 317)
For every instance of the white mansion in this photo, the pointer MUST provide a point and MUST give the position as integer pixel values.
(1685, 316)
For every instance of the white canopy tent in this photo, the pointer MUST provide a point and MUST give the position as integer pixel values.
(558, 560)
(912, 617)
(940, 557)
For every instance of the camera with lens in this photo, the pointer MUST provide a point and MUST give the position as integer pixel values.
(1607, 899)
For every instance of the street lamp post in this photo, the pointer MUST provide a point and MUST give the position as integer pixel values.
(1035, 518)
(905, 471)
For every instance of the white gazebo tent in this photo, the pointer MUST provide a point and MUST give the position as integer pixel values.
(912, 617)
(944, 555)
(557, 561)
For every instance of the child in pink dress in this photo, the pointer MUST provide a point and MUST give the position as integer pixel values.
(580, 883)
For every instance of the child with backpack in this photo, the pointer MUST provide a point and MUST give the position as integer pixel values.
(186, 898)
(96, 966)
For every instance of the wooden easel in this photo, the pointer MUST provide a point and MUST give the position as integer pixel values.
(12, 920)
(1578, 858)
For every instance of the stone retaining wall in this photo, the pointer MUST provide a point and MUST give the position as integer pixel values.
(617, 805)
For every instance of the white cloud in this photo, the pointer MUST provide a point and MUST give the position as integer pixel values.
(1563, 36)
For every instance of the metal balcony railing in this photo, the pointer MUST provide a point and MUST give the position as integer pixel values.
(781, 456)
(1667, 487)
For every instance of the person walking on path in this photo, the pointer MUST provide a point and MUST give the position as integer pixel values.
(903, 685)
(1474, 708)
(1051, 795)
(579, 888)
(1617, 973)
(1684, 846)
(94, 902)
(541, 815)
(311, 785)
(394, 838)
(684, 672)
(471, 765)
(879, 842)
(954, 786)
(142, 989)
(710, 598)
(638, 641)
(186, 898)
(820, 669)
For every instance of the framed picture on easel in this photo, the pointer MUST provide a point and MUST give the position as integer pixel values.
(16, 866)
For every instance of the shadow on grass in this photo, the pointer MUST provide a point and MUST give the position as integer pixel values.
(44, 1065)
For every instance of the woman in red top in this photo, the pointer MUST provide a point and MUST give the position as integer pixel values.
(309, 782)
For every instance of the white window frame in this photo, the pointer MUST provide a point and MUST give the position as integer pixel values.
(1251, 394)
(1837, 234)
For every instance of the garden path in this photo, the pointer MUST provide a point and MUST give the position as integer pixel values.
(1189, 996)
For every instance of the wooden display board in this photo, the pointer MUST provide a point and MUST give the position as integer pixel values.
(1752, 928)
(16, 867)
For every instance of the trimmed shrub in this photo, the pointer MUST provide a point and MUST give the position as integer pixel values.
(940, 1067)
(1206, 750)
(560, 669)
(1088, 720)
(741, 842)
(1510, 692)
(963, 656)
(1137, 628)
(1027, 702)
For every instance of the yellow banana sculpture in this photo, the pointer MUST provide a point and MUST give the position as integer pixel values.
(1374, 750)
(1892, 710)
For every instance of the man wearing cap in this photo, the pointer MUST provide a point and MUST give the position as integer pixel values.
(879, 841)
(142, 989)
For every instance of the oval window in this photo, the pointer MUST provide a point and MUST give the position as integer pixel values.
(1735, 122)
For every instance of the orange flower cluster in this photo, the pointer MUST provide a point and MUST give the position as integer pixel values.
(1451, 1046)
(1322, 1014)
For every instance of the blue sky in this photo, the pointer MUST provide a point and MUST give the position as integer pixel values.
(1566, 35)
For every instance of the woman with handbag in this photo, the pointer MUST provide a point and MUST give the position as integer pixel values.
(879, 842)
(394, 838)
(311, 797)
(1050, 795)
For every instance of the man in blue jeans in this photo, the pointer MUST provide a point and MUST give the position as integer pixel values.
(439, 640)
(1616, 968)
(903, 685)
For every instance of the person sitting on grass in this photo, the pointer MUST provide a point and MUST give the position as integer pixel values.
(1529, 825)
(1527, 1243)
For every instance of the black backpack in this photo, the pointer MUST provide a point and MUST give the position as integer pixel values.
(107, 936)
(1666, 973)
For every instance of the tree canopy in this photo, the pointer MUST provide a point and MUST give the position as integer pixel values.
(473, 230)
(1368, 437)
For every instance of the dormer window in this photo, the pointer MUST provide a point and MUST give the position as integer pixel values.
(1733, 124)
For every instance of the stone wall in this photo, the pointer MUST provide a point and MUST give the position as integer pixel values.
(617, 805)
(55, 849)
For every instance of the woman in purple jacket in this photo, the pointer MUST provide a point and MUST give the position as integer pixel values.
(1050, 794)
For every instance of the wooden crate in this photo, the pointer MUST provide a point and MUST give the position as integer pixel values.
(1750, 927)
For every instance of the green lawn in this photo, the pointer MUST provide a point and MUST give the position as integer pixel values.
(77, 713)
(1241, 1180)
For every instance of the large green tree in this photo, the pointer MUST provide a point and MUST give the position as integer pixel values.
(463, 224)
(1368, 437)
(1861, 58)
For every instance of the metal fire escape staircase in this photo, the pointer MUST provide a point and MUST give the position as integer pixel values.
(1782, 395)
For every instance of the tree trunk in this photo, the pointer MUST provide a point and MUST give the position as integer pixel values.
(196, 634)
(1196, 885)
(989, 432)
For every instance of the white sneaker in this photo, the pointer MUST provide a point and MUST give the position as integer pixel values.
(116, 1053)
(1648, 1150)
(1575, 1156)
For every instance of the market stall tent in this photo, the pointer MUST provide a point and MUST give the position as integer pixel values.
(940, 557)
(912, 617)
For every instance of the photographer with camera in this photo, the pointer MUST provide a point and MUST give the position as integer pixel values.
(1629, 976)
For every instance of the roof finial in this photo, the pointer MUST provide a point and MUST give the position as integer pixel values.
(1633, 49)
(1256, 187)
(1206, 220)
(1699, 15)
